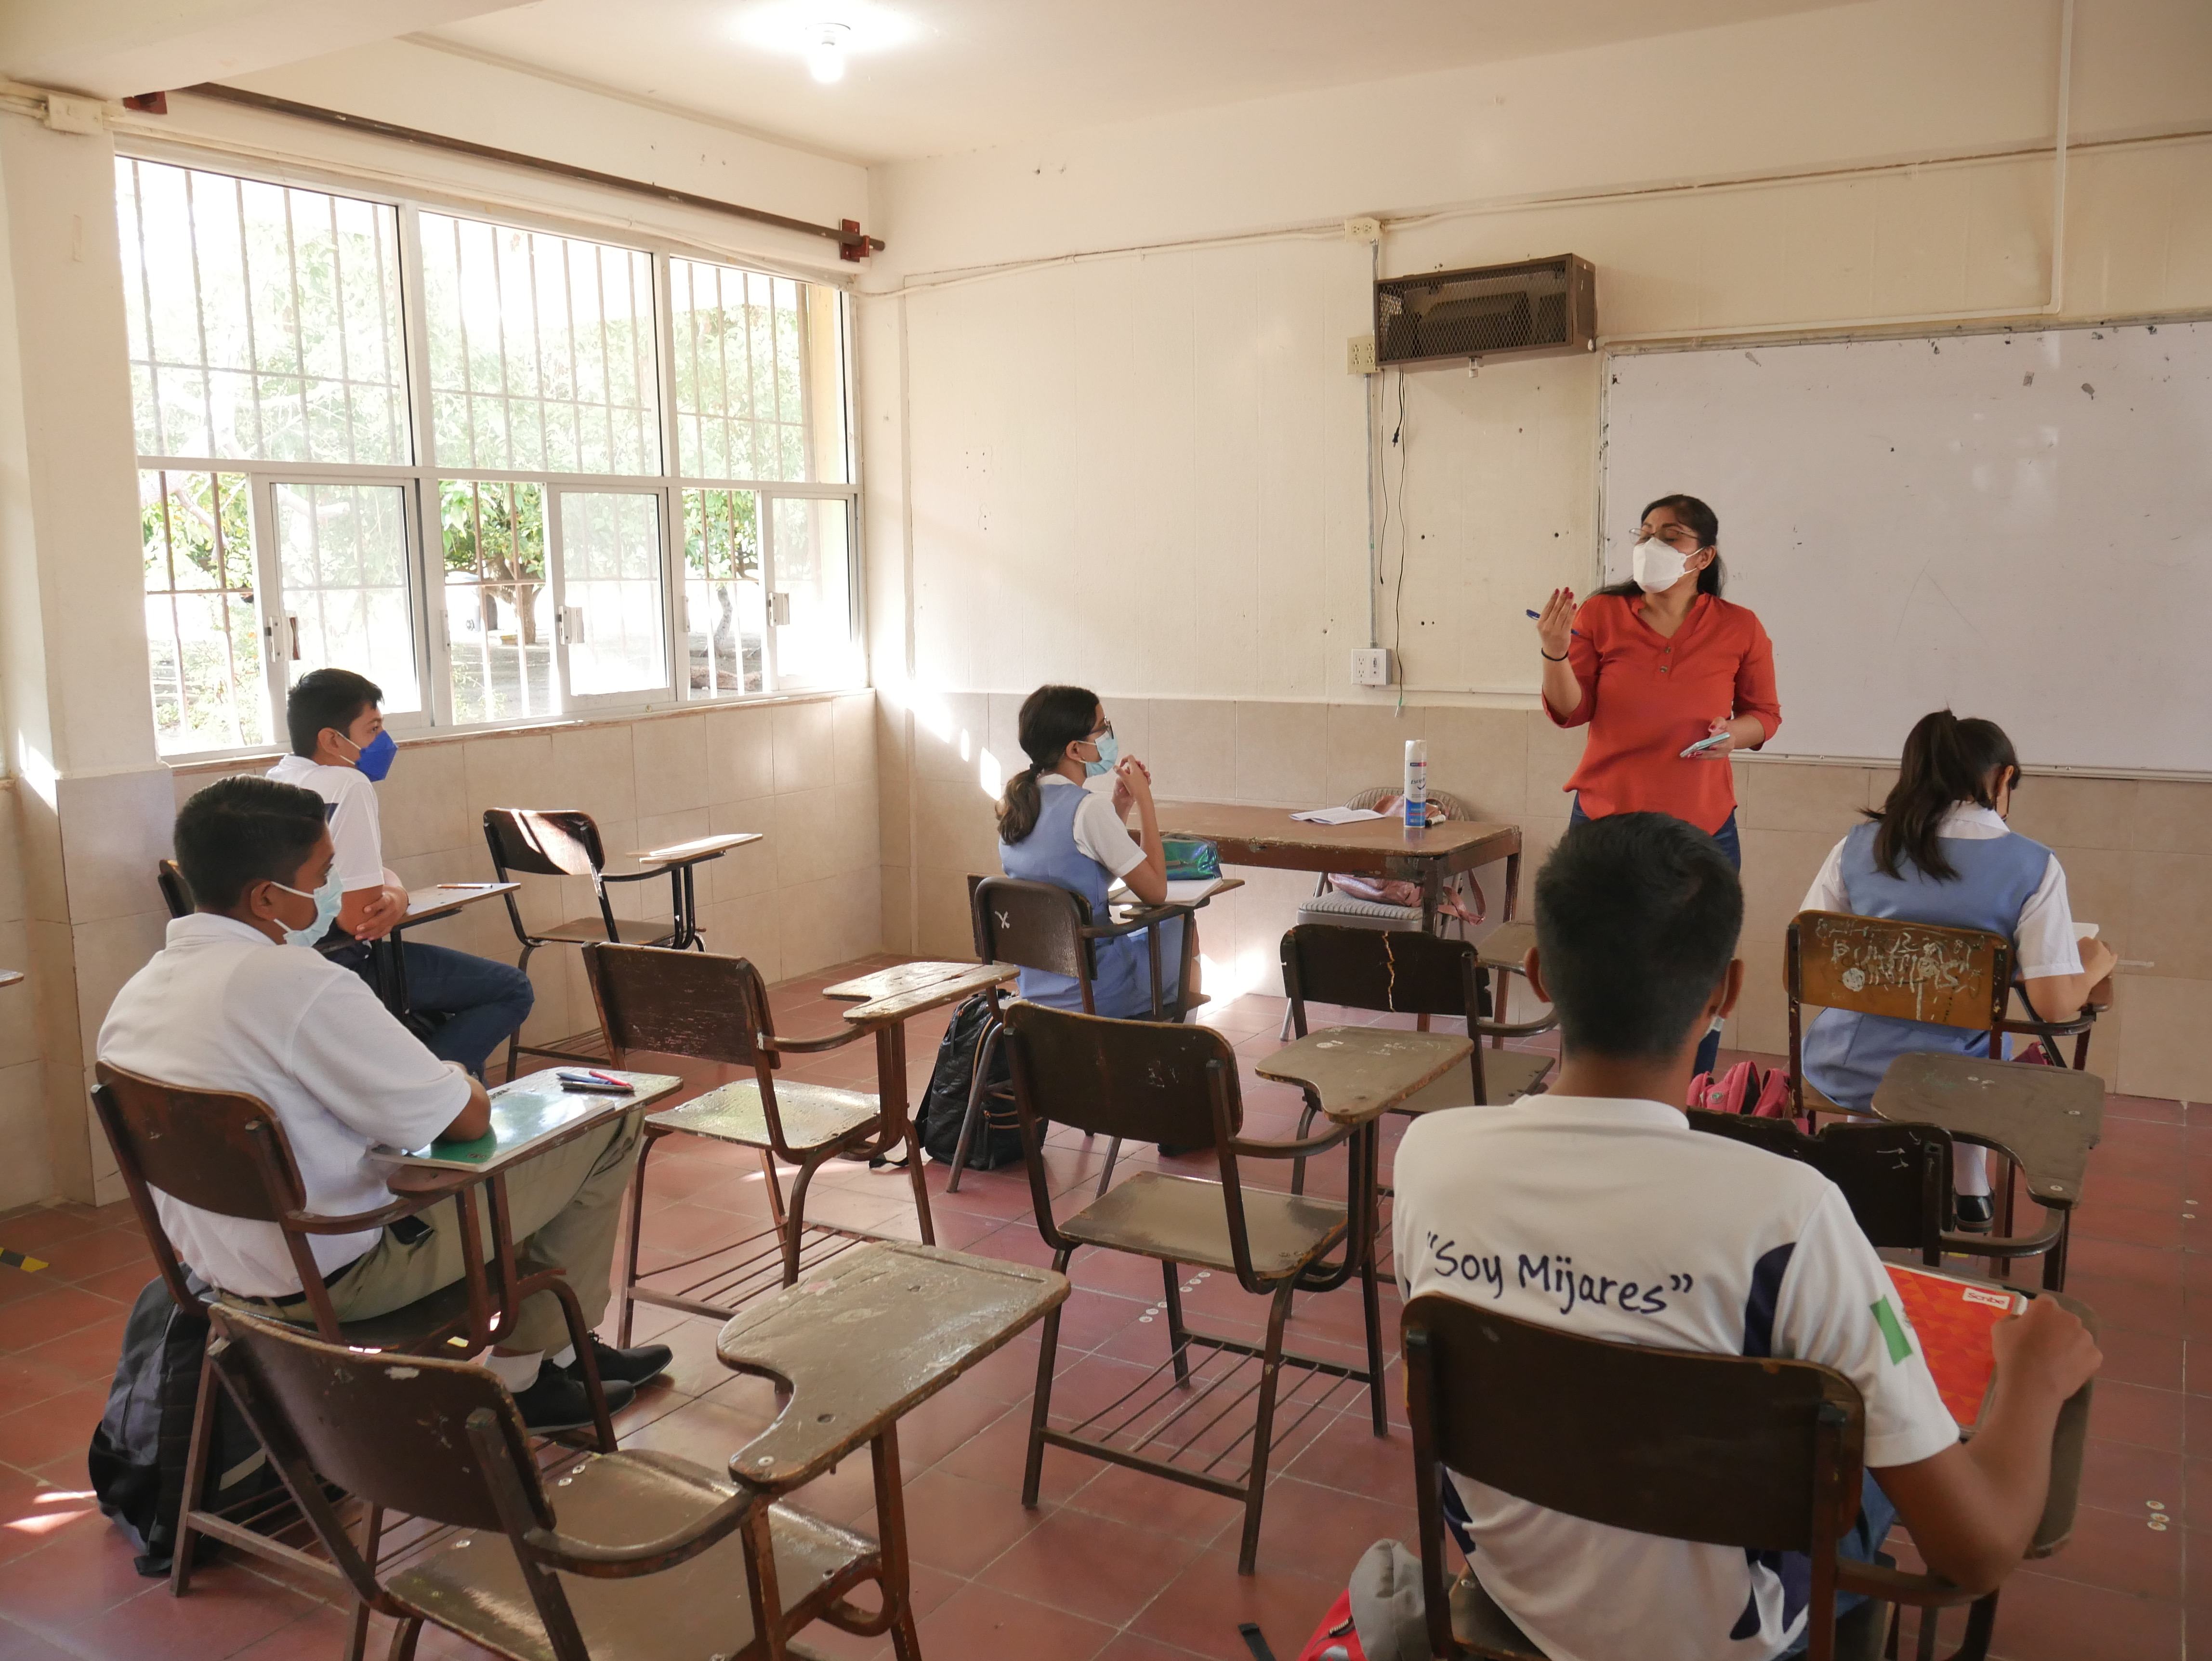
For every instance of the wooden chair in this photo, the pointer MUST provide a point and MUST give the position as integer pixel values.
(1729, 1451)
(713, 1008)
(1960, 978)
(1041, 926)
(640, 1555)
(1897, 1177)
(227, 1153)
(1411, 974)
(1504, 953)
(534, 843)
(176, 892)
(1156, 1082)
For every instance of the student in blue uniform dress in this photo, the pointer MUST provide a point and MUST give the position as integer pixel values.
(1939, 852)
(1053, 829)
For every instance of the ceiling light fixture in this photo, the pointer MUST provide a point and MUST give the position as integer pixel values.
(825, 34)
(825, 52)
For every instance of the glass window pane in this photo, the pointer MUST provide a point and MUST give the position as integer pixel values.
(498, 607)
(610, 578)
(814, 578)
(741, 344)
(724, 613)
(542, 352)
(264, 322)
(202, 617)
(341, 550)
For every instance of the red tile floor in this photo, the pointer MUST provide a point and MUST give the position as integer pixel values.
(1113, 1564)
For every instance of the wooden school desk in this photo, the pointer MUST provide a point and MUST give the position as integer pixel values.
(1269, 837)
(387, 964)
(886, 1001)
(10, 977)
(679, 860)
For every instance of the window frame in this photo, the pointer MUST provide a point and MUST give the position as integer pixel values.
(420, 478)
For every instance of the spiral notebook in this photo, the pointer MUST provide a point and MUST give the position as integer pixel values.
(1952, 1320)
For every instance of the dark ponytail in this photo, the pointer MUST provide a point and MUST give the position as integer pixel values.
(1705, 523)
(1947, 761)
(1053, 717)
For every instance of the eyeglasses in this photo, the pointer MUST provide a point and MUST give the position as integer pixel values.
(1107, 731)
(1680, 537)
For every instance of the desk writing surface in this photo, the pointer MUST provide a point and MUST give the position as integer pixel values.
(10, 977)
(1245, 835)
(527, 1115)
(699, 848)
(972, 977)
(899, 977)
(2047, 1118)
(867, 1337)
(424, 903)
(1360, 1072)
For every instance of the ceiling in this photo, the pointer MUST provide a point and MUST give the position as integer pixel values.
(980, 73)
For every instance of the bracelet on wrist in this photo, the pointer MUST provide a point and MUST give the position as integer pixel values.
(1548, 658)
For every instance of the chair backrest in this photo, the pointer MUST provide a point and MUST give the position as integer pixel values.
(1908, 971)
(390, 1429)
(222, 1152)
(679, 1003)
(1031, 925)
(1403, 971)
(1145, 1081)
(544, 843)
(1729, 1451)
(176, 892)
(1896, 1177)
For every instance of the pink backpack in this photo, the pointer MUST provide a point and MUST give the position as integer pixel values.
(1741, 1090)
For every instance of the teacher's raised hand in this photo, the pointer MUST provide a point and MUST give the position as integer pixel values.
(1556, 626)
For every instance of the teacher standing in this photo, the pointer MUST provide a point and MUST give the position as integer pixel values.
(1654, 666)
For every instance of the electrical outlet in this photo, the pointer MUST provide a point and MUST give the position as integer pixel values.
(1363, 230)
(1371, 665)
(1359, 355)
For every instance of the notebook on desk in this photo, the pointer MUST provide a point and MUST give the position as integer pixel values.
(1184, 891)
(1952, 1319)
(523, 1114)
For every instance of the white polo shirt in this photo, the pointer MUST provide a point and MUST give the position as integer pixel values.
(356, 833)
(1099, 832)
(223, 1006)
(1615, 1219)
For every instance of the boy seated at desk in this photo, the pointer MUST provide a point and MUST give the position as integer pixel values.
(340, 750)
(238, 1000)
(1731, 1251)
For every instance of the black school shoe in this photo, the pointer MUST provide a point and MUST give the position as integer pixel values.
(1976, 1213)
(557, 1402)
(632, 1368)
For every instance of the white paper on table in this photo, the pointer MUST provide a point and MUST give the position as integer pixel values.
(1338, 815)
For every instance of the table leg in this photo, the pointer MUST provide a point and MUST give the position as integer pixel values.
(1512, 883)
(387, 965)
(898, 1128)
(1432, 886)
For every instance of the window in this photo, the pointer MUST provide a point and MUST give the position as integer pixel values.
(515, 475)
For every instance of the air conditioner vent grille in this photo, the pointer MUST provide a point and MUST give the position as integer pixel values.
(1537, 307)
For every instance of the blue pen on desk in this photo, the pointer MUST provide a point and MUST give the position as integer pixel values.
(1577, 633)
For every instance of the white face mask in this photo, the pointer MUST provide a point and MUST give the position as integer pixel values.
(328, 899)
(1657, 565)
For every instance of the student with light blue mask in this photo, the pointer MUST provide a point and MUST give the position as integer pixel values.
(467, 1005)
(1053, 829)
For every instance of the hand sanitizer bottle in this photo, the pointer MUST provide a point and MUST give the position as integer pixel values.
(1417, 784)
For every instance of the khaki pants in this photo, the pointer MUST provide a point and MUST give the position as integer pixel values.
(565, 1206)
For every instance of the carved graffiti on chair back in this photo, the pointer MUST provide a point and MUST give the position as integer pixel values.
(1911, 971)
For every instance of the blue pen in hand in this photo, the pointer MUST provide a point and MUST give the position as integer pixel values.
(1577, 633)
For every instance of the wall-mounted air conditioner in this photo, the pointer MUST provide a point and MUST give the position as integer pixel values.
(1533, 308)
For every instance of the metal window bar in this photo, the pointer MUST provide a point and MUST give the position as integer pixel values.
(230, 699)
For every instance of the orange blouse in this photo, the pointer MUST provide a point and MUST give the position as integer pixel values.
(1646, 699)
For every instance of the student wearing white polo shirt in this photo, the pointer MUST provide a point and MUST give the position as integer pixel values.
(340, 750)
(1682, 1240)
(238, 1000)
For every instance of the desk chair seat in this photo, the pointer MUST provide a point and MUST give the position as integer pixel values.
(1506, 1073)
(577, 931)
(688, 1613)
(1182, 1219)
(814, 1116)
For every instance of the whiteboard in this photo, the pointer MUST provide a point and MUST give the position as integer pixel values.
(2018, 525)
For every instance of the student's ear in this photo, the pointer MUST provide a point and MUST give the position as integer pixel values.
(1730, 989)
(1530, 967)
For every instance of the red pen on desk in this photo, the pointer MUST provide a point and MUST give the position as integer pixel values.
(588, 1076)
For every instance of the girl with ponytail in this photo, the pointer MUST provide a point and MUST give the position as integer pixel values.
(1051, 829)
(1939, 851)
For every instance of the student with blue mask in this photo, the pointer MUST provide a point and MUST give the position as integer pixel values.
(1053, 829)
(340, 750)
(1939, 851)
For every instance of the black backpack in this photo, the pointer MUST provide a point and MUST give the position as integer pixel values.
(945, 1103)
(138, 1453)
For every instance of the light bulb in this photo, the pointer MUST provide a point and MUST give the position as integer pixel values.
(825, 53)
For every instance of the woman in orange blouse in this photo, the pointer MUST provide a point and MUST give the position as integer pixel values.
(1654, 666)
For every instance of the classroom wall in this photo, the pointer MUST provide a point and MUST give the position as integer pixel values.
(1144, 470)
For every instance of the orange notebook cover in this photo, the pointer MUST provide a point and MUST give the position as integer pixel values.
(1952, 1320)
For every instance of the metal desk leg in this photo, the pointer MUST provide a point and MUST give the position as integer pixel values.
(387, 966)
(890, 1083)
(1512, 883)
(1432, 885)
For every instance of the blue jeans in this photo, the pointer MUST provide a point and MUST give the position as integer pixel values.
(483, 1001)
(1708, 1048)
(1877, 1516)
